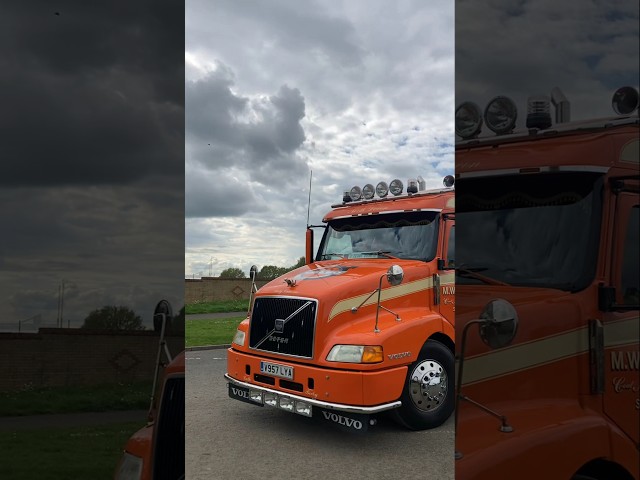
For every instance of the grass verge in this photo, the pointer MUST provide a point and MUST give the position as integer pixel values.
(217, 331)
(217, 307)
(64, 453)
(99, 398)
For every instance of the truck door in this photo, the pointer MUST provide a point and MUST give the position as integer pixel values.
(621, 331)
(446, 275)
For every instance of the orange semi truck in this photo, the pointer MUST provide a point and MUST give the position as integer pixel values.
(367, 325)
(547, 284)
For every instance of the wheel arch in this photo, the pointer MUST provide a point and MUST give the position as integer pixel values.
(444, 339)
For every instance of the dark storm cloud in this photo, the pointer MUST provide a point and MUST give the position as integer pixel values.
(92, 156)
(258, 137)
(292, 26)
(92, 93)
(217, 195)
(587, 48)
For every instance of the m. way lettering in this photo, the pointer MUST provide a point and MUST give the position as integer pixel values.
(620, 361)
(448, 290)
(339, 419)
(240, 393)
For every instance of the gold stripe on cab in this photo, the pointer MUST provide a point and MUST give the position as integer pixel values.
(547, 350)
(387, 294)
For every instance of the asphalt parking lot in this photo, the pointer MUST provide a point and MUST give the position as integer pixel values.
(226, 439)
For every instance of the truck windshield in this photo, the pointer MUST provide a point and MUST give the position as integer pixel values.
(408, 235)
(537, 230)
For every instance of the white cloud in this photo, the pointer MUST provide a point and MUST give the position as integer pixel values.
(358, 92)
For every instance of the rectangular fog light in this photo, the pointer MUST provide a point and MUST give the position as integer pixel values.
(303, 409)
(270, 399)
(286, 404)
(255, 396)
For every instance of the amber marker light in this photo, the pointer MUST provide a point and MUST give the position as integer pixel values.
(372, 354)
(356, 354)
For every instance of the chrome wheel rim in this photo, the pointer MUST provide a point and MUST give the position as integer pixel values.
(428, 385)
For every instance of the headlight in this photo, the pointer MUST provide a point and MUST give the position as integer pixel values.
(500, 115)
(368, 191)
(356, 354)
(130, 468)
(382, 189)
(355, 193)
(468, 120)
(238, 339)
(395, 187)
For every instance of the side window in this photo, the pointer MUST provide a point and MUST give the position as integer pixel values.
(630, 264)
(451, 248)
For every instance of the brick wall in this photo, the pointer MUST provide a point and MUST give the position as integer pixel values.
(209, 289)
(65, 357)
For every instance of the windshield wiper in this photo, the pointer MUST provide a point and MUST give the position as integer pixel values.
(329, 255)
(379, 253)
(473, 273)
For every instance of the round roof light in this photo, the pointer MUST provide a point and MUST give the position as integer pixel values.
(625, 100)
(382, 189)
(368, 191)
(500, 115)
(355, 193)
(448, 181)
(468, 120)
(538, 115)
(412, 186)
(346, 197)
(396, 187)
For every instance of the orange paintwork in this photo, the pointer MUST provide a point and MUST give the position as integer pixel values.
(541, 382)
(413, 300)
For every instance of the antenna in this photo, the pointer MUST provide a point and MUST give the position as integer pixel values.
(309, 204)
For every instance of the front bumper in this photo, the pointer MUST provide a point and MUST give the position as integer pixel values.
(310, 401)
(359, 390)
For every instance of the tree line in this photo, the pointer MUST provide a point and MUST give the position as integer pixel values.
(112, 317)
(268, 272)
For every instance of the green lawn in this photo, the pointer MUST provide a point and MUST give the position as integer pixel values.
(217, 307)
(217, 331)
(99, 398)
(64, 453)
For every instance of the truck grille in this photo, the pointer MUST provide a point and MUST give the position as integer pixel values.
(283, 325)
(168, 462)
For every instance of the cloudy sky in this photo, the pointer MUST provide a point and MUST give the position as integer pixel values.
(356, 91)
(587, 48)
(91, 176)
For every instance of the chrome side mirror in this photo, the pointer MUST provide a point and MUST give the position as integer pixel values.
(395, 275)
(500, 323)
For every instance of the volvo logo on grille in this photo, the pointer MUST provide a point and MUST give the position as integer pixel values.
(279, 326)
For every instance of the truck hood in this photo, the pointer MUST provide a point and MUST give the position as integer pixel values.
(335, 280)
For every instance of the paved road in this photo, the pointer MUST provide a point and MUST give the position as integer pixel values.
(229, 439)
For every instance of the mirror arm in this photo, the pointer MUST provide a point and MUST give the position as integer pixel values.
(463, 345)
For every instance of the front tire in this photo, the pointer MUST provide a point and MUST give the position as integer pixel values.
(428, 393)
